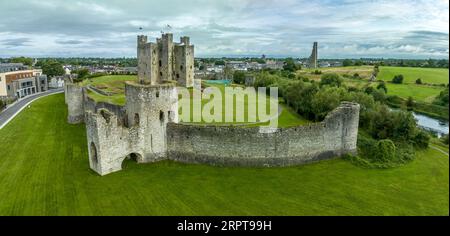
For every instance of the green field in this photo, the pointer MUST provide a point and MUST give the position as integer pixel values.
(44, 171)
(418, 92)
(116, 86)
(411, 74)
(363, 71)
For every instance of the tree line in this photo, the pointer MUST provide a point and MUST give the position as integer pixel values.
(381, 128)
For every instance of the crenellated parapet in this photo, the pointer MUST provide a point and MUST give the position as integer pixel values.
(164, 60)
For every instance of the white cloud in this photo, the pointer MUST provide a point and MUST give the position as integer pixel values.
(347, 28)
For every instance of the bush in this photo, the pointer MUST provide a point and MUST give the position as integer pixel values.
(332, 79)
(264, 79)
(384, 151)
(382, 85)
(398, 79)
(381, 154)
(326, 100)
(303, 78)
(239, 77)
(422, 139)
(442, 98)
(356, 76)
(386, 124)
(317, 72)
(418, 81)
(410, 103)
(444, 139)
(2, 104)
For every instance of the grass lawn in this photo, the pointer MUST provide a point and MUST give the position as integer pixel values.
(411, 74)
(110, 83)
(44, 171)
(116, 85)
(418, 92)
(363, 71)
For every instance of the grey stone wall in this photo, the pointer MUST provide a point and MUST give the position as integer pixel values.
(237, 146)
(138, 129)
(74, 95)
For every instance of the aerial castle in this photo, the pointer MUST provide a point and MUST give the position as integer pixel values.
(146, 128)
(165, 61)
(312, 61)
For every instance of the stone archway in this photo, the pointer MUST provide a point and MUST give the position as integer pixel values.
(131, 158)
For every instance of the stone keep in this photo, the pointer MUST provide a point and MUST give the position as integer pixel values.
(165, 60)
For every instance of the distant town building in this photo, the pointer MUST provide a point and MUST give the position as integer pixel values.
(17, 80)
(67, 70)
(274, 65)
(56, 82)
(250, 80)
(237, 65)
(126, 70)
(324, 64)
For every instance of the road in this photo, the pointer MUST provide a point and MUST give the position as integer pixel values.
(7, 115)
(438, 149)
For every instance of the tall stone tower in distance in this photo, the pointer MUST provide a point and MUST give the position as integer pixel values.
(165, 61)
(314, 56)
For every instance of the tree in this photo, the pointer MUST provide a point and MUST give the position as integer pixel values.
(347, 62)
(444, 139)
(421, 140)
(419, 81)
(398, 79)
(331, 79)
(264, 79)
(289, 65)
(239, 77)
(82, 73)
(359, 63)
(52, 68)
(382, 86)
(24, 60)
(410, 102)
(326, 100)
(219, 63)
(442, 98)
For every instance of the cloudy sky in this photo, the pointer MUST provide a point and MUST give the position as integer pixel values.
(345, 28)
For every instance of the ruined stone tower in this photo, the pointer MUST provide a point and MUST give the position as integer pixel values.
(314, 56)
(165, 60)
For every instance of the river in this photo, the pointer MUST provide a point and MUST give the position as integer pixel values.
(432, 124)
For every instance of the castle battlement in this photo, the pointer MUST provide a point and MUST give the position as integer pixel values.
(165, 60)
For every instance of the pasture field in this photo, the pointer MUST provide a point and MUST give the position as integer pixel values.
(44, 170)
(411, 74)
(417, 92)
(363, 71)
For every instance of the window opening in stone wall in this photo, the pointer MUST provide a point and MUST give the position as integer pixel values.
(136, 119)
(161, 116)
(94, 153)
